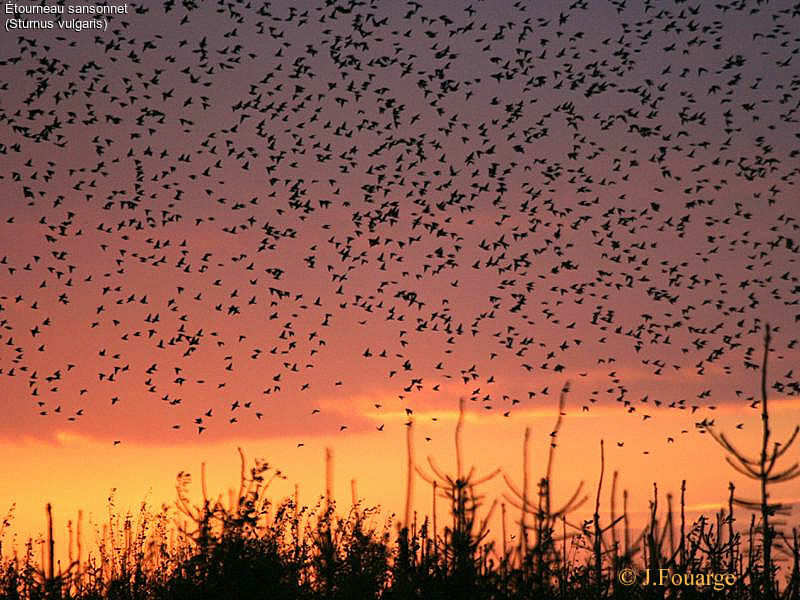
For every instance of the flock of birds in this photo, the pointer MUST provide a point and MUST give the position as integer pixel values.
(247, 213)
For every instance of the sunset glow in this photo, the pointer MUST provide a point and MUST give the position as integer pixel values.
(298, 229)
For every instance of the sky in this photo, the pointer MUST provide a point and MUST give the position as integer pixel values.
(287, 229)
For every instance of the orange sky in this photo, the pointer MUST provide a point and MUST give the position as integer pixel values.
(287, 229)
(78, 473)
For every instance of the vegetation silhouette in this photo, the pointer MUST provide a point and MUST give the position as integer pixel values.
(254, 548)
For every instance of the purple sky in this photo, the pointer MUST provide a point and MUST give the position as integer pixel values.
(219, 219)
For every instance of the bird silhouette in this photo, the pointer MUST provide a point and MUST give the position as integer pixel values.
(483, 203)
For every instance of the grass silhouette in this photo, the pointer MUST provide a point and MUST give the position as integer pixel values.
(253, 547)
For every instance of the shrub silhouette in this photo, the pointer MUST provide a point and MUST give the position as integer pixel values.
(766, 471)
(256, 548)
